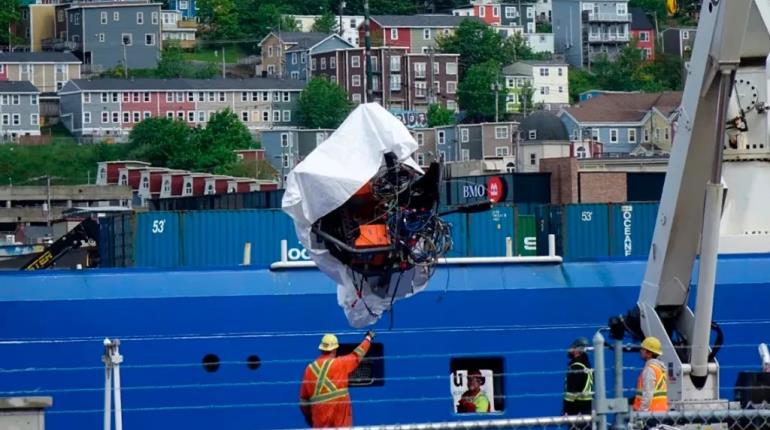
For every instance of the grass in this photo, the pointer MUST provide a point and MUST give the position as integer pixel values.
(212, 55)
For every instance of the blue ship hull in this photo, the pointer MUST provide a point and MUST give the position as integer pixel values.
(53, 324)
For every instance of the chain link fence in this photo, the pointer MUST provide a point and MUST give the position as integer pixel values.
(705, 419)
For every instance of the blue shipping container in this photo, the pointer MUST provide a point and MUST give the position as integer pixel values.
(157, 240)
(487, 232)
(217, 238)
(631, 229)
(459, 224)
(586, 232)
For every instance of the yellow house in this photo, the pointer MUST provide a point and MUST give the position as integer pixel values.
(48, 71)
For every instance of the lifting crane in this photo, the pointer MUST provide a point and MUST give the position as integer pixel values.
(726, 83)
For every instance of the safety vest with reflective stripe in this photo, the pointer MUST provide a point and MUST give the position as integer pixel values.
(659, 402)
(325, 390)
(588, 389)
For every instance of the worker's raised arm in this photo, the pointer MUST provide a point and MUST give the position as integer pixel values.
(351, 361)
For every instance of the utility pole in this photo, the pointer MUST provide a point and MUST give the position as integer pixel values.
(368, 54)
(342, 9)
(48, 201)
(431, 91)
(223, 61)
(125, 61)
(496, 88)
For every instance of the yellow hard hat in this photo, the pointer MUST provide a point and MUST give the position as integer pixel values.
(329, 343)
(652, 344)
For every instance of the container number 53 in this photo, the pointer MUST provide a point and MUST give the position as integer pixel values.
(158, 225)
(586, 216)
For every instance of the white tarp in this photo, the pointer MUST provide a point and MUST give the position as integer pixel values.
(327, 178)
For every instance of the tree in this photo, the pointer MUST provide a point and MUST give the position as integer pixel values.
(323, 104)
(163, 142)
(439, 115)
(475, 92)
(9, 14)
(171, 64)
(326, 23)
(476, 43)
(215, 144)
(527, 98)
(580, 80)
(260, 169)
(221, 19)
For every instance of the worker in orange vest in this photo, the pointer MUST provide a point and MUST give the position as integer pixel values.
(324, 398)
(652, 386)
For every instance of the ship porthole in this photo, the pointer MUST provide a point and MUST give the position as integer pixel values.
(253, 362)
(210, 363)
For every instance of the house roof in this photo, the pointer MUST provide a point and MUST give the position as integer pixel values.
(302, 37)
(17, 87)
(525, 67)
(640, 20)
(108, 4)
(421, 20)
(624, 107)
(185, 84)
(311, 42)
(38, 57)
(547, 125)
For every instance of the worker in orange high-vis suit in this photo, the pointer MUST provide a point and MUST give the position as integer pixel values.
(324, 397)
(652, 386)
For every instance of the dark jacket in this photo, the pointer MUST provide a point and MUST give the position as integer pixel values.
(574, 384)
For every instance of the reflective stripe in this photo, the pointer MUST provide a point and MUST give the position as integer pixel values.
(322, 382)
(359, 352)
(587, 392)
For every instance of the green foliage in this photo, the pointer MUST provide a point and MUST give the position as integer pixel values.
(526, 98)
(64, 158)
(326, 23)
(439, 115)
(580, 80)
(172, 143)
(543, 27)
(163, 142)
(173, 65)
(475, 91)
(260, 169)
(323, 104)
(214, 145)
(9, 14)
(221, 19)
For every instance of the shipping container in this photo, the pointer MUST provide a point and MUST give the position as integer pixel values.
(157, 240)
(217, 238)
(516, 188)
(631, 229)
(644, 186)
(487, 232)
(231, 201)
(116, 241)
(586, 232)
(459, 224)
(526, 236)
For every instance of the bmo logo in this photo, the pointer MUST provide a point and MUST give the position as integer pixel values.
(494, 190)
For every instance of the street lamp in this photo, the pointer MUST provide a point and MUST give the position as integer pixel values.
(496, 87)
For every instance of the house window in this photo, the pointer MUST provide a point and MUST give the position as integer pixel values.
(221, 96)
(451, 68)
(501, 132)
(420, 137)
(332, 63)
(285, 161)
(436, 68)
(510, 12)
(441, 137)
(137, 116)
(140, 18)
(33, 119)
(465, 154)
(482, 11)
(532, 135)
(127, 39)
(532, 159)
(149, 39)
(323, 63)
(495, 11)
(146, 96)
(645, 135)
(170, 115)
(188, 188)
(126, 97)
(464, 135)
(244, 96)
(126, 117)
(293, 58)
(544, 91)
(6, 119)
(286, 116)
(276, 96)
(395, 63)
(86, 117)
(543, 71)
(155, 18)
(501, 151)
(270, 51)
(395, 82)
(184, 5)
(276, 116)
(355, 61)
(394, 34)
(685, 35)
(614, 135)
(286, 96)
(620, 8)
(644, 36)
(116, 16)
(419, 70)
(560, 71)
(135, 97)
(33, 100)
(190, 116)
(116, 117)
(180, 115)
(595, 134)
(190, 97)
(105, 117)
(356, 98)
(420, 159)
(103, 18)
(147, 114)
(419, 89)
(631, 135)
(245, 116)
(426, 33)
(665, 133)
(312, 64)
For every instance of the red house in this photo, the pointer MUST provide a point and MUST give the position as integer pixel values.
(643, 31)
(417, 33)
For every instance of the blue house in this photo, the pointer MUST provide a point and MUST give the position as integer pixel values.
(619, 121)
(187, 7)
(297, 57)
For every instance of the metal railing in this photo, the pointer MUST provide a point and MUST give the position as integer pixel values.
(609, 17)
(608, 37)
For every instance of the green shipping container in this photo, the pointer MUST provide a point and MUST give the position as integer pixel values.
(526, 235)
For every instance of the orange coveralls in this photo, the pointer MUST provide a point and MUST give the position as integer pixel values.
(324, 392)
